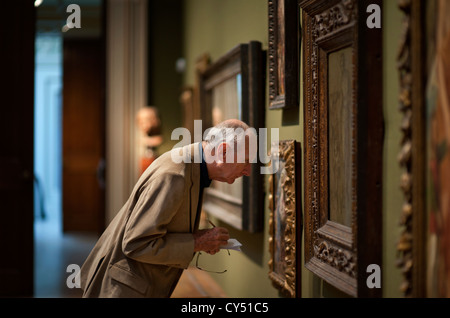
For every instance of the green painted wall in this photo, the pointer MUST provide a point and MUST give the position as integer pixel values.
(216, 26)
(392, 196)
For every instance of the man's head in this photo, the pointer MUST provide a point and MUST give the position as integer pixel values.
(228, 150)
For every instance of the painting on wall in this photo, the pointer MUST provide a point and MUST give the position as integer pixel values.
(437, 98)
(285, 217)
(233, 87)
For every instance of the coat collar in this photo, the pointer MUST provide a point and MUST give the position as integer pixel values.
(205, 181)
(193, 151)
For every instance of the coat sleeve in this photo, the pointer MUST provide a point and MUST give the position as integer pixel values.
(146, 238)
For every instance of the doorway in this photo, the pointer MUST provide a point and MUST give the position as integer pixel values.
(68, 142)
(48, 132)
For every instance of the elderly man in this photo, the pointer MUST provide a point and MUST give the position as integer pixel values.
(155, 235)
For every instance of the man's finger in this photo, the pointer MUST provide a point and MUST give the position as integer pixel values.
(220, 230)
(221, 236)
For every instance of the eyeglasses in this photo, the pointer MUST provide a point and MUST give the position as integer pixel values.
(198, 256)
(202, 269)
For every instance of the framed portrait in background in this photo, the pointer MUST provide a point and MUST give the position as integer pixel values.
(233, 87)
(284, 42)
(285, 222)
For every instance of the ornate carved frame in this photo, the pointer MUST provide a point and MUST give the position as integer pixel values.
(284, 41)
(337, 253)
(411, 246)
(289, 282)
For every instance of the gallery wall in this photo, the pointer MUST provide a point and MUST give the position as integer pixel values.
(195, 27)
(214, 27)
(392, 198)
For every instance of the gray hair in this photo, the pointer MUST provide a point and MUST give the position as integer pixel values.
(232, 132)
(229, 131)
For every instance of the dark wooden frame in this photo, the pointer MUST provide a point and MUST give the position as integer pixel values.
(288, 43)
(341, 254)
(247, 59)
(289, 282)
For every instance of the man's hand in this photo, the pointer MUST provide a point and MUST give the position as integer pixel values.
(210, 240)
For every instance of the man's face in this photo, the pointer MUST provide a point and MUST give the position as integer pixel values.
(236, 170)
(238, 165)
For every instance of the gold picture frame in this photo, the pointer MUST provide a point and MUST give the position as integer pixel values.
(285, 223)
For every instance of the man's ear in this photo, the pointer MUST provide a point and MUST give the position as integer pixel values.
(222, 151)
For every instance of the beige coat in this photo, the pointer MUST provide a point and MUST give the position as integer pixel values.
(144, 250)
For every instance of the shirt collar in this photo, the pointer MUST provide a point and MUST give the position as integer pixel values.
(205, 181)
